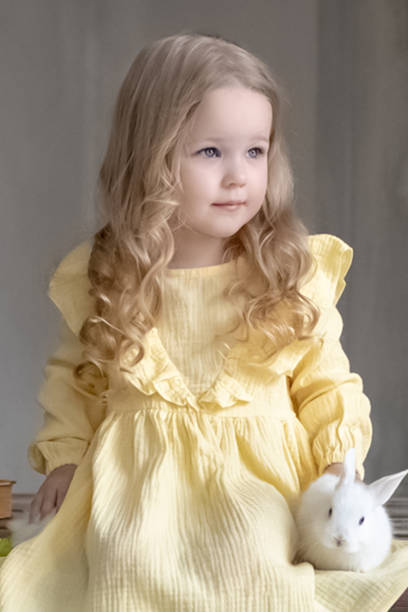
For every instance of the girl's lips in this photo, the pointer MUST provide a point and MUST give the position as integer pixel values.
(228, 203)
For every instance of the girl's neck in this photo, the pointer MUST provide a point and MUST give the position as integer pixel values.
(194, 250)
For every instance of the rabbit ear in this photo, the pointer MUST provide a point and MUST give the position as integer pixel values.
(382, 489)
(349, 468)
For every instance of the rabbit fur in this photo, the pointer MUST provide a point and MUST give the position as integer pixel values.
(341, 522)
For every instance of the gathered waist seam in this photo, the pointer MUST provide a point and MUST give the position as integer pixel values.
(283, 416)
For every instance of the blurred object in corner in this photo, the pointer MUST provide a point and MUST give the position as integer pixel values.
(6, 498)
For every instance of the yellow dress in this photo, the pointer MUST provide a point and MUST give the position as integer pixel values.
(188, 471)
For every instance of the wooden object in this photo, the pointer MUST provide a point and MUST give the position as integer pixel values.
(6, 498)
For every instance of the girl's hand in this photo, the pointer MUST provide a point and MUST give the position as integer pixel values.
(337, 470)
(51, 494)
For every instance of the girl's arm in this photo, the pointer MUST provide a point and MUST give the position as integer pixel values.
(72, 412)
(329, 399)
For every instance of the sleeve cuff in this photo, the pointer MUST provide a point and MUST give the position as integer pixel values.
(326, 454)
(46, 456)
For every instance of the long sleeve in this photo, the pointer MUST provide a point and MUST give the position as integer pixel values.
(328, 397)
(72, 413)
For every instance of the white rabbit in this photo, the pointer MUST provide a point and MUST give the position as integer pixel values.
(22, 530)
(341, 522)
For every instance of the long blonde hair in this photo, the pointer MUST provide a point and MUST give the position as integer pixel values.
(138, 181)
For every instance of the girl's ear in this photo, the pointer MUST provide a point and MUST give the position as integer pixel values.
(349, 469)
(382, 489)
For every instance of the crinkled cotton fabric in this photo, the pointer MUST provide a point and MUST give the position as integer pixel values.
(189, 468)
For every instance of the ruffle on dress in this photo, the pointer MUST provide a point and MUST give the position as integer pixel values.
(333, 259)
(69, 287)
(243, 365)
(156, 373)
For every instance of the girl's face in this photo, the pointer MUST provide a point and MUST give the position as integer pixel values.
(225, 160)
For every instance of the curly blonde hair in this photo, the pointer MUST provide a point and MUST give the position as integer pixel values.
(138, 182)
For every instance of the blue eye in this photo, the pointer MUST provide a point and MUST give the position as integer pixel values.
(209, 149)
(258, 150)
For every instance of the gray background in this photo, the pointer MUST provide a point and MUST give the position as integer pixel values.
(344, 66)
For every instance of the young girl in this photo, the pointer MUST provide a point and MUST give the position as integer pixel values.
(200, 384)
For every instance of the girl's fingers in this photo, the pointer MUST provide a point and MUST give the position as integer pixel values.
(35, 506)
(49, 502)
(60, 498)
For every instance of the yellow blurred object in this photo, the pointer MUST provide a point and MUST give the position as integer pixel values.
(5, 546)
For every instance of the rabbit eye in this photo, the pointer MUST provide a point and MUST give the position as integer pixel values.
(361, 521)
(330, 512)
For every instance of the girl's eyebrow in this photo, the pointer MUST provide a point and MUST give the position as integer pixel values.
(258, 137)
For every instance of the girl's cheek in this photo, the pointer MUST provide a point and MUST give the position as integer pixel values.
(203, 175)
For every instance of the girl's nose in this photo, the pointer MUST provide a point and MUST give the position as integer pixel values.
(235, 175)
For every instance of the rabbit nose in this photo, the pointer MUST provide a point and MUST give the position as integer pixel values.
(339, 540)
